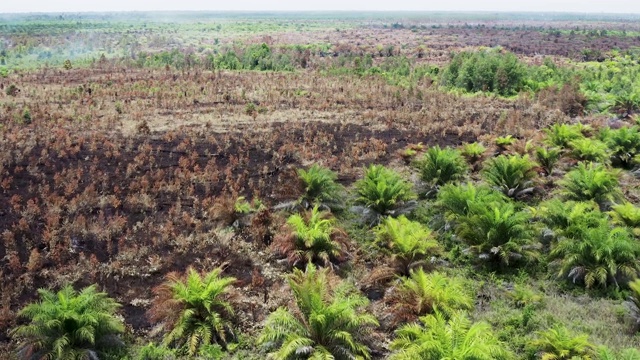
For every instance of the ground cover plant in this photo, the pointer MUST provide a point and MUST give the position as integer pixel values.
(141, 153)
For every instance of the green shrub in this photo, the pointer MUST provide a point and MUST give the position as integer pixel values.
(454, 337)
(383, 192)
(626, 214)
(195, 310)
(311, 237)
(409, 242)
(559, 343)
(486, 70)
(504, 141)
(69, 325)
(570, 219)
(440, 166)
(548, 158)
(601, 256)
(605, 353)
(153, 352)
(511, 174)
(328, 320)
(590, 182)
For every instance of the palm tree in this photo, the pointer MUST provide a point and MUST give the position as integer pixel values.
(558, 343)
(590, 182)
(455, 200)
(548, 158)
(326, 321)
(633, 303)
(194, 308)
(498, 233)
(561, 135)
(626, 214)
(624, 143)
(605, 353)
(455, 338)
(600, 256)
(440, 166)
(586, 149)
(409, 242)
(319, 188)
(513, 174)
(312, 237)
(423, 293)
(69, 325)
(383, 192)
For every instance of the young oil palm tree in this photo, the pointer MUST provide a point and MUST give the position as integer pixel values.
(601, 256)
(326, 322)
(633, 303)
(383, 192)
(590, 182)
(558, 343)
(409, 242)
(453, 337)
(624, 144)
(548, 158)
(628, 215)
(586, 149)
(454, 199)
(605, 353)
(570, 219)
(511, 174)
(440, 166)
(561, 135)
(69, 325)
(320, 188)
(194, 308)
(498, 233)
(311, 237)
(424, 293)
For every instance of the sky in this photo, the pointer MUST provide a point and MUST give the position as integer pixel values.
(591, 6)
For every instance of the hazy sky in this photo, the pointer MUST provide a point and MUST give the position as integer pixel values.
(610, 6)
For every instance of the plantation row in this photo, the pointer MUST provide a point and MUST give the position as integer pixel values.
(502, 215)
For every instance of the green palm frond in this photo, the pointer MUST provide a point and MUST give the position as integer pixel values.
(69, 325)
(455, 200)
(440, 166)
(558, 343)
(590, 182)
(320, 187)
(383, 191)
(327, 321)
(195, 309)
(561, 135)
(511, 174)
(408, 241)
(454, 337)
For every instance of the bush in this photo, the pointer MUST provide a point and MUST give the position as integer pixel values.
(601, 256)
(456, 337)
(590, 182)
(69, 325)
(328, 320)
(195, 309)
(440, 166)
(383, 192)
(511, 174)
(487, 70)
(423, 293)
(312, 237)
(559, 343)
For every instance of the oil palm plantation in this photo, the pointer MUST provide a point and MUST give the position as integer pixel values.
(326, 321)
(454, 337)
(69, 325)
(194, 309)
